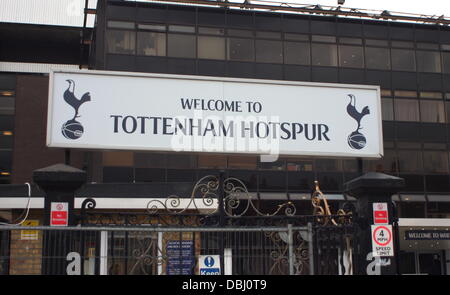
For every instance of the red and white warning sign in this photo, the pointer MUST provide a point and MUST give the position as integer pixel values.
(382, 241)
(59, 214)
(380, 213)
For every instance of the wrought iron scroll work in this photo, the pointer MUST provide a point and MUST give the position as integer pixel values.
(206, 187)
(236, 193)
(324, 212)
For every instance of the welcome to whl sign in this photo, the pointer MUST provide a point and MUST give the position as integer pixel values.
(132, 111)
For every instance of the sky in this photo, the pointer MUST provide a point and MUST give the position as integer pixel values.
(428, 7)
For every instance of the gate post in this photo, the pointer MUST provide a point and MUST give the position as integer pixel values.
(368, 189)
(59, 183)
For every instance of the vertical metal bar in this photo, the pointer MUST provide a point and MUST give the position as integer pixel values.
(311, 249)
(221, 218)
(291, 250)
(104, 253)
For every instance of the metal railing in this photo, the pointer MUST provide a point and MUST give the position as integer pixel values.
(155, 250)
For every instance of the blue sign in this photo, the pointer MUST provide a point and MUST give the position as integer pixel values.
(209, 264)
(180, 257)
(209, 261)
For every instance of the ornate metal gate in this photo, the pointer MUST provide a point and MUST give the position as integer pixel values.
(320, 243)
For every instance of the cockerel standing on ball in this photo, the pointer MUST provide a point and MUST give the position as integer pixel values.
(70, 98)
(353, 112)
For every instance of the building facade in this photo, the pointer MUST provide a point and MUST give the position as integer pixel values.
(409, 61)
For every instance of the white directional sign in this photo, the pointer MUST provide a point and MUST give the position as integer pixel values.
(382, 241)
(209, 264)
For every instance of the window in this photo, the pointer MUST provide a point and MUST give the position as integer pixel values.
(432, 111)
(121, 42)
(324, 55)
(354, 41)
(378, 58)
(327, 39)
(240, 33)
(406, 110)
(297, 53)
(403, 60)
(118, 159)
(402, 44)
(241, 49)
(351, 56)
(409, 161)
(120, 25)
(152, 27)
(296, 37)
(428, 61)
(373, 42)
(150, 43)
(268, 35)
(211, 47)
(181, 29)
(212, 161)
(446, 62)
(428, 46)
(242, 162)
(435, 161)
(387, 109)
(211, 31)
(181, 45)
(269, 51)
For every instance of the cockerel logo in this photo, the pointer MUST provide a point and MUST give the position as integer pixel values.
(356, 140)
(73, 129)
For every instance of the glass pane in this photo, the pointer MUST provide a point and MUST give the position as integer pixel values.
(211, 31)
(181, 45)
(409, 161)
(406, 110)
(212, 161)
(121, 42)
(388, 164)
(268, 35)
(242, 162)
(211, 47)
(378, 58)
(377, 42)
(296, 37)
(435, 161)
(402, 44)
(269, 51)
(161, 28)
(403, 60)
(446, 62)
(118, 158)
(241, 49)
(427, 46)
(387, 109)
(324, 55)
(355, 41)
(319, 38)
(120, 25)
(240, 33)
(151, 44)
(181, 29)
(428, 61)
(296, 53)
(432, 111)
(436, 95)
(7, 105)
(405, 93)
(149, 160)
(351, 56)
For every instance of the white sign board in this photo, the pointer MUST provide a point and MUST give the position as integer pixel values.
(209, 264)
(382, 241)
(114, 110)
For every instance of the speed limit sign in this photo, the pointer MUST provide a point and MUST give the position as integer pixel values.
(382, 240)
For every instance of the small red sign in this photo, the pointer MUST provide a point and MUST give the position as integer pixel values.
(380, 213)
(59, 214)
(380, 217)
